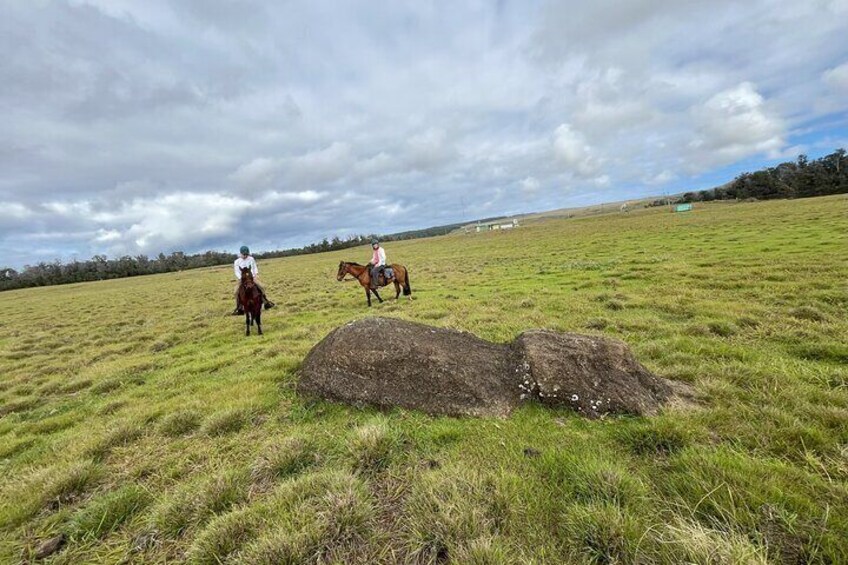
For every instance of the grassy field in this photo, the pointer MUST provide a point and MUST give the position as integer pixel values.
(137, 419)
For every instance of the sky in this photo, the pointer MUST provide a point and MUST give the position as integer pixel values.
(131, 128)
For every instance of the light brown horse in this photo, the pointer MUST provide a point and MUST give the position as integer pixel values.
(362, 273)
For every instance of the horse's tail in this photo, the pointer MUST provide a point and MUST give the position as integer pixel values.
(406, 289)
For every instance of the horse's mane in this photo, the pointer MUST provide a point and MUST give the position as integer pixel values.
(354, 264)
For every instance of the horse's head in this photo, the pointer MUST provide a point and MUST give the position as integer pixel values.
(342, 271)
(246, 276)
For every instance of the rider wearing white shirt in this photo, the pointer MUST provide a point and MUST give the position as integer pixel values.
(245, 259)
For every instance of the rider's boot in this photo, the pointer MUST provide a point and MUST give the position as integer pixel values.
(238, 311)
(268, 303)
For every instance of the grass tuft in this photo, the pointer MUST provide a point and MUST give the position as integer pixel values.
(312, 517)
(723, 329)
(372, 445)
(808, 313)
(282, 459)
(195, 502)
(180, 423)
(226, 422)
(107, 512)
(120, 436)
(653, 438)
(451, 507)
(69, 483)
(597, 323)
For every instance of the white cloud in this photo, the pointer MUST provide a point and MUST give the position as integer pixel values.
(167, 222)
(304, 196)
(530, 185)
(571, 149)
(661, 177)
(378, 165)
(15, 210)
(837, 78)
(104, 236)
(258, 173)
(734, 124)
(320, 166)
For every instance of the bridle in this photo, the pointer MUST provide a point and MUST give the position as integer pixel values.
(346, 265)
(247, 281)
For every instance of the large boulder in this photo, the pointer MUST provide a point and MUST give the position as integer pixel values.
(590, 374)
(387, 362)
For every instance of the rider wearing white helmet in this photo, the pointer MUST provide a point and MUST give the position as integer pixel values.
(245, 259)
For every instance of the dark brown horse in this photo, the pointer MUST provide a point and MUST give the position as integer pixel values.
(250, 299)
(362, 273)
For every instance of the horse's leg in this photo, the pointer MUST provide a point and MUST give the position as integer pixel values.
(246, 321)
(368, 295)
(377, 295)
(397, 289)
(259, 321)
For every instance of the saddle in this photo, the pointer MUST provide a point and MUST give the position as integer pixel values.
(386, 274)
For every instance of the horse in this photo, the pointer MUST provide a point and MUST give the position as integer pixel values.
(250, 300)
(362, 273)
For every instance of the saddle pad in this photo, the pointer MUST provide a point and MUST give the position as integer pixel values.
(389, 272)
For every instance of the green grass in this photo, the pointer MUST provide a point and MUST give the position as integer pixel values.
(138, 420)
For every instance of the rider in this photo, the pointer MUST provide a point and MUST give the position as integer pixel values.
(378, 262)
(245, 259)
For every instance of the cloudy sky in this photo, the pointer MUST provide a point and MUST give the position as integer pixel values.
(131, 127)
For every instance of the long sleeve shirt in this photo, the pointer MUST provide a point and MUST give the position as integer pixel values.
(249, 261)
(379, 257)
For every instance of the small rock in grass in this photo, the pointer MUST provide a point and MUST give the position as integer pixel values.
(50, 546)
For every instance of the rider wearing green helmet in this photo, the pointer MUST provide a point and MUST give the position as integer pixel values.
(245, 259)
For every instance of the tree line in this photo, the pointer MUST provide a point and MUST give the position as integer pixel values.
(795, 179)
(101, 267)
